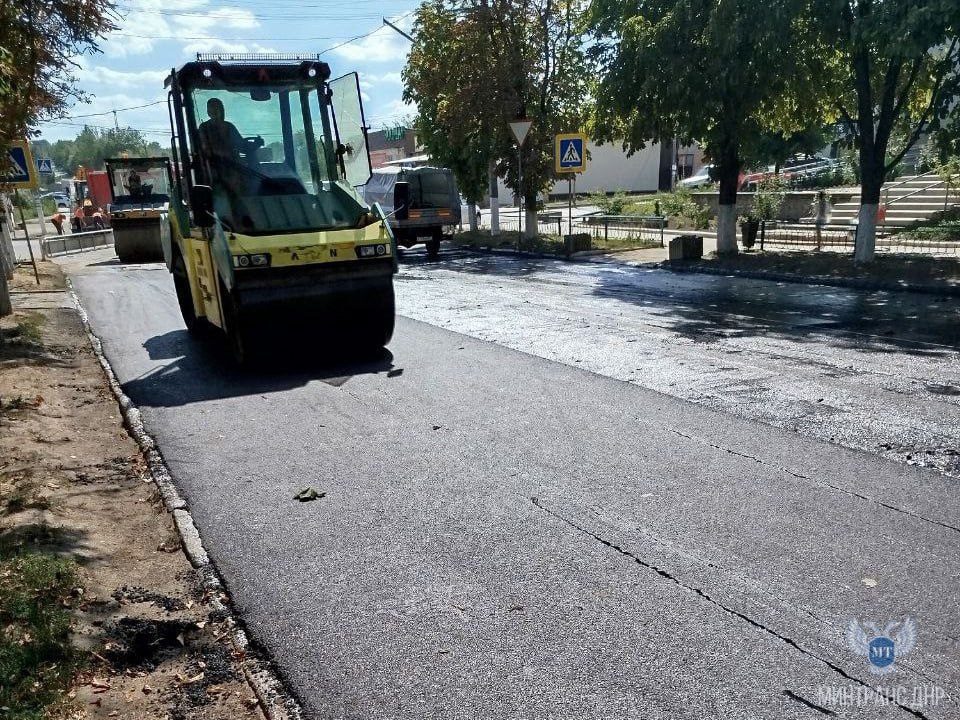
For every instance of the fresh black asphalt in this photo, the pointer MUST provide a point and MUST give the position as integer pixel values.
(505, 536)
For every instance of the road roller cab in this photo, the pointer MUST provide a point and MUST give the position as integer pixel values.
(139, 200)
(265, 225)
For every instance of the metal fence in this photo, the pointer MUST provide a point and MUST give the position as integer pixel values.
(622, 230)
(77, 242)
(605, 231)
(842, 238)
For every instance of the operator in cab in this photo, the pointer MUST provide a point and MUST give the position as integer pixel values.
(222, 143)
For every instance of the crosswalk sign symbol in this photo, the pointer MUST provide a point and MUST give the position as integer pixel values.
(570, 154)
(22, 172)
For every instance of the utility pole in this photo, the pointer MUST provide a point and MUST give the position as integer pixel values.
(116, 123)
(390, 24)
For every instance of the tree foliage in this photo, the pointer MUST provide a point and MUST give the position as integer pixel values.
(94, 145)
(723, 73)
(478, 64)
(896, 75)
(457, 119)
(38, 39)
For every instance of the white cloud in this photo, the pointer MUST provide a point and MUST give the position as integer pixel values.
(390, 78)
(384, 45)
(392, 112)
(149, 80)
(203, 21)
(139, 32)
(222, 46)
(142, 28)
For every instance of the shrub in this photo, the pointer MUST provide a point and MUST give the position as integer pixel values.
(613, 204)
(768, 199)
(681, 206)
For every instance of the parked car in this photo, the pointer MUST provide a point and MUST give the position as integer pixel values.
(698, 179)
(794, 168)
(61, 199)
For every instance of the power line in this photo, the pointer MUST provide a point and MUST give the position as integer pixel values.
(226, 39)
(243, 13)
(114, 110)
(366, 34)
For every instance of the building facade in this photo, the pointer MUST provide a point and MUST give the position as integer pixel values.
(390, 144)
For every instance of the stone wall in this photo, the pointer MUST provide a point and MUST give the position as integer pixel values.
(795, 204)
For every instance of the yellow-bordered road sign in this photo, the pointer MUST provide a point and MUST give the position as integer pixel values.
(22, 172)
(570, 152)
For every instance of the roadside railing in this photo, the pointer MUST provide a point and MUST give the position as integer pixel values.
(76, 242)
(842, 238)
(624, 226)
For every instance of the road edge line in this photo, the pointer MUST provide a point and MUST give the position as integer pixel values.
(276, 701)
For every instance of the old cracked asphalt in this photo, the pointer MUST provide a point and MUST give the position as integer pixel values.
(574, 491)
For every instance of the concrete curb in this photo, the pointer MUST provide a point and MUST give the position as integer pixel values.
(853, 283)
(583, 255)
(276, 702)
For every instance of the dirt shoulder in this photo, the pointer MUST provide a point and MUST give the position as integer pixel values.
(101, 614)
(917, 273)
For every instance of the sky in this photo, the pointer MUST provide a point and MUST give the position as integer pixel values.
(157, 35)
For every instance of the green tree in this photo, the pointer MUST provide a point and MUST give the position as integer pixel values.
(38, 41)
(508, 59)
(722, 73)
(896, 72)
(94, 145)
(457, 119)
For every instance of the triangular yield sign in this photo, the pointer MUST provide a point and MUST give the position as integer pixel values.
(520, 128)
(571, 156)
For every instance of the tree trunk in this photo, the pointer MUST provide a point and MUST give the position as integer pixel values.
(494, 202)
(5, 308)
(472, 215)
(871, 183)
(727, 213)
(530, 217)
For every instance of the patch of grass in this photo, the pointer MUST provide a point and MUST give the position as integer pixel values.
(625, 243)
(37, 659)
(26, 331)
(18, 403)
(545, 244)
(934, 231)
(944, 228)
(26, 497)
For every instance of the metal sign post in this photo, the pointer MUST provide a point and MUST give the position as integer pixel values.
(520, 130)
(26, 233)
(570, 156)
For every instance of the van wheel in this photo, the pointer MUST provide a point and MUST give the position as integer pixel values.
(181, 283)
(433, 247)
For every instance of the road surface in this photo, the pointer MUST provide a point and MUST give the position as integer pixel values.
(524, 518)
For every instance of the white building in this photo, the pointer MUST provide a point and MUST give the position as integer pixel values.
(609, 168)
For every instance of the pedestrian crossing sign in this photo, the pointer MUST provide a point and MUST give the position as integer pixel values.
(20, 172)
(570, 152)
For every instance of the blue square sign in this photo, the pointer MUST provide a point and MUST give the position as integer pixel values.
(22, 171)
(570, 152)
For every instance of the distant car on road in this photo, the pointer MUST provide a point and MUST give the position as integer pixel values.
(434, 203)
(61, 199)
